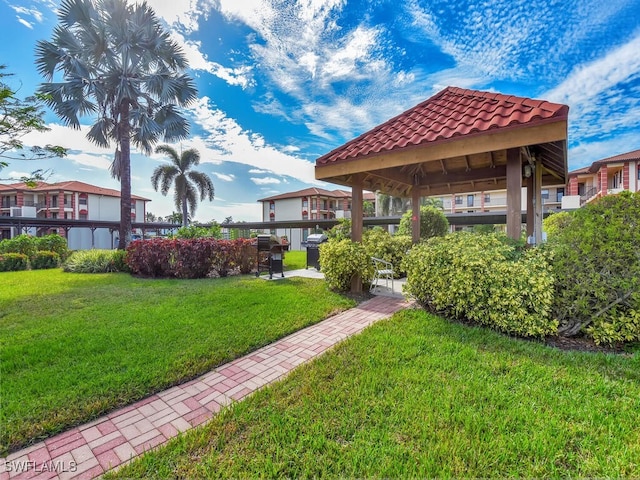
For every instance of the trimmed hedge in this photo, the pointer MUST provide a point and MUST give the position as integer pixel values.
(190, 258)
(340, 260)
(483, 278)
(11, 262)
(379, 243)
(597, 266)
(30, 246)
(433, 223)
(44, 260)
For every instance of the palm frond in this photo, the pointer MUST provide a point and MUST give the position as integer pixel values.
(116, 166)
(203, 184)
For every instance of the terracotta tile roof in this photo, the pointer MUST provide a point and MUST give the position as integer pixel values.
(308, 192)
(451, 113)
(70, 186)
(632, 156)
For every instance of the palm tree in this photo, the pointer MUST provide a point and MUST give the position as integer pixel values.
(187, 183)
(119, 64)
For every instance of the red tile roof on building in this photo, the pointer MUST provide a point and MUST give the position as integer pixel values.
(309, 192)
(70, 186)
(452, 113)
(632, 156)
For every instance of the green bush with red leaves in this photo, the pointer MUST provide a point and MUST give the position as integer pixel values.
(190, 258)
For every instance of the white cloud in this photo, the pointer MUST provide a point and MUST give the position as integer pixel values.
(25, 23)
(265, 181)
(179, 13)
(601, 94)
(590, 80)
(224, 177)
(257, 170)
(226, 140)
(238, 76)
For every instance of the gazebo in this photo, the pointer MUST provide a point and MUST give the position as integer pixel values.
(458, 141)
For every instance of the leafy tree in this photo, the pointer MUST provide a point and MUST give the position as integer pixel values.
(368, 209)
(18, 117)
(150, 217)
(433, 223)
(186, 182)
(175, 217)
(389, 205)
(118, 64)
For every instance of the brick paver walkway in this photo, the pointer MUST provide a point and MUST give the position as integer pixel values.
(89, 450)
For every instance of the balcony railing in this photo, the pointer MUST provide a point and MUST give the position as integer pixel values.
(587, 195)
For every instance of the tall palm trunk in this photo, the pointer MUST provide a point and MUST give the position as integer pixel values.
(185, 222)
(125, 177)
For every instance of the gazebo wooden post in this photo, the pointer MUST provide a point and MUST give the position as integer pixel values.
(537, 220)
(415, 213)
(356, 224)
(530, 206)
(514, 193)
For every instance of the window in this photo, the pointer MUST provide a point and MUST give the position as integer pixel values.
(470, 200)
(545, 194)
(324, 205)
(559, 194)
(305, 203)
(54, 215)
(54, 201)
(272, 205)
(305, 234)
(487, 198)
(82, 199)
(458, 200)
(305, 216)
(83, 216)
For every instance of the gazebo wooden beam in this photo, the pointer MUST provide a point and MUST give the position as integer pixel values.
(469, 145)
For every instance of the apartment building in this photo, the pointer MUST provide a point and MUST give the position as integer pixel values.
(308, 204)
(496, 200)
(70, 200)
(603, 177)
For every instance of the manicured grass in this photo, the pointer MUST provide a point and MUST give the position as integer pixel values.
(295, 260)
(419, 397)
(73, 346)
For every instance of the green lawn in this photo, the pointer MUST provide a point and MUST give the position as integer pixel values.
(419, 397)
(73, 346)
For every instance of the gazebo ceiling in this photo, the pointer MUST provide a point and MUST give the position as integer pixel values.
(454, 142)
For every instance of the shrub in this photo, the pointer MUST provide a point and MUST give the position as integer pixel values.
(340, 260)
(151, 258)
(392, 248)
(481, 277)
(53, 243)
(44, 259)
(556, 222)
(193, 258)
(246, 255)
(94, 261)
(190, 258)
(597, 266)
(342, 231)
(197, 231)
(433, 223)
(11, 262)
(25, 244)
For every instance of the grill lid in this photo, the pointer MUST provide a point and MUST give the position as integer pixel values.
(317, 238)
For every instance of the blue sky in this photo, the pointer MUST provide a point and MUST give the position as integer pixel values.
(282, 82)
